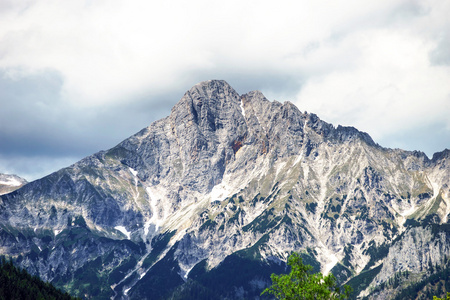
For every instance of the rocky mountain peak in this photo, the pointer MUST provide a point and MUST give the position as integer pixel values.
(345, 133)
(213, 89)
(212, 122)
(227, 183)
(10, 182)
(205, 102)
(441, 156)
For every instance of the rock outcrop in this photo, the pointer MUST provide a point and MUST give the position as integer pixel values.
(231, 181)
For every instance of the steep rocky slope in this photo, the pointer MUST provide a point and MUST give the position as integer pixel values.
(231, 184)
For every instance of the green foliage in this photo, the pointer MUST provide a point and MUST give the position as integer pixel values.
(193, 290)
(436, 298)
(375, 253)
(437, 283)
(362, 281)
(119, 273)
(221, 278)
(341, 272)
(18, 284)
(301, 284)
(224, 282)
(88, 280)
(309, 258)
(159, 243)
(162, 279)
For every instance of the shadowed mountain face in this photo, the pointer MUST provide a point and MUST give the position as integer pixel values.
(211, 200)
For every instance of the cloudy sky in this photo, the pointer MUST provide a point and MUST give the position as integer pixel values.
(80, 76)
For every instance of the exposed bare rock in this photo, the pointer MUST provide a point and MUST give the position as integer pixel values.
(229, 181)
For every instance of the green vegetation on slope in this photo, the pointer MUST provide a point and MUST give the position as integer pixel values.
(300, 283)
(436, 298)
(18, 284)
(437, 283)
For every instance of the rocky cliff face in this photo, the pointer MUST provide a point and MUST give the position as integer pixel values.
(232, 182)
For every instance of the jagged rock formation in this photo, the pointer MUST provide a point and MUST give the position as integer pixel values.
(9, 183)
(231, 184)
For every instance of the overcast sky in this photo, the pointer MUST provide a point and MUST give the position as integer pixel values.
(77, 77)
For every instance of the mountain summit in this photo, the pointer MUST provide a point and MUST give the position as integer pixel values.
(9, 183)
(209, 201)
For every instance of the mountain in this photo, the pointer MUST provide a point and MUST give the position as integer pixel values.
(18, 284)
(9, 183)
(209, 201)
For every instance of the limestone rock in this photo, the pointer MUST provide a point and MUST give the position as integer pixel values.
(229, 181)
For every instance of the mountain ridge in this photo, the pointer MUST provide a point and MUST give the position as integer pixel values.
(10, 182)
(228, 177)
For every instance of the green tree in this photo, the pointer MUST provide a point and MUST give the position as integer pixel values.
(436, 298)
(16, 283)
(301, 284)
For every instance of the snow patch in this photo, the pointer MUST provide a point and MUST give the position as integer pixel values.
(220, 192)
(147, 226)
(123, 230)
(331, 264)
(11, 182)
(56, 231)
(298, 159)
(136, 194)
(187, 271)
(133, 171)
(242, 108)
(404, 214)
(409, 211)
(447, 202)
(328, 257)
(155, 198)
(436, 189)
(436, 192)
(280, 167)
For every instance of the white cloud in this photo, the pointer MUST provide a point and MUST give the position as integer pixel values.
(392, 88)
(381, 66)
(113, 49)
(34, 167)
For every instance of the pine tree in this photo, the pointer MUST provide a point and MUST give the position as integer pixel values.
(17, 283)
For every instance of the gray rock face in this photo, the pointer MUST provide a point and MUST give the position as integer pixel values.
(231, 177)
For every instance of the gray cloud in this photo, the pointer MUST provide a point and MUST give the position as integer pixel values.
(441, 54)
(108, 71)
(34, 167)
(37, 126)
(429, 138)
